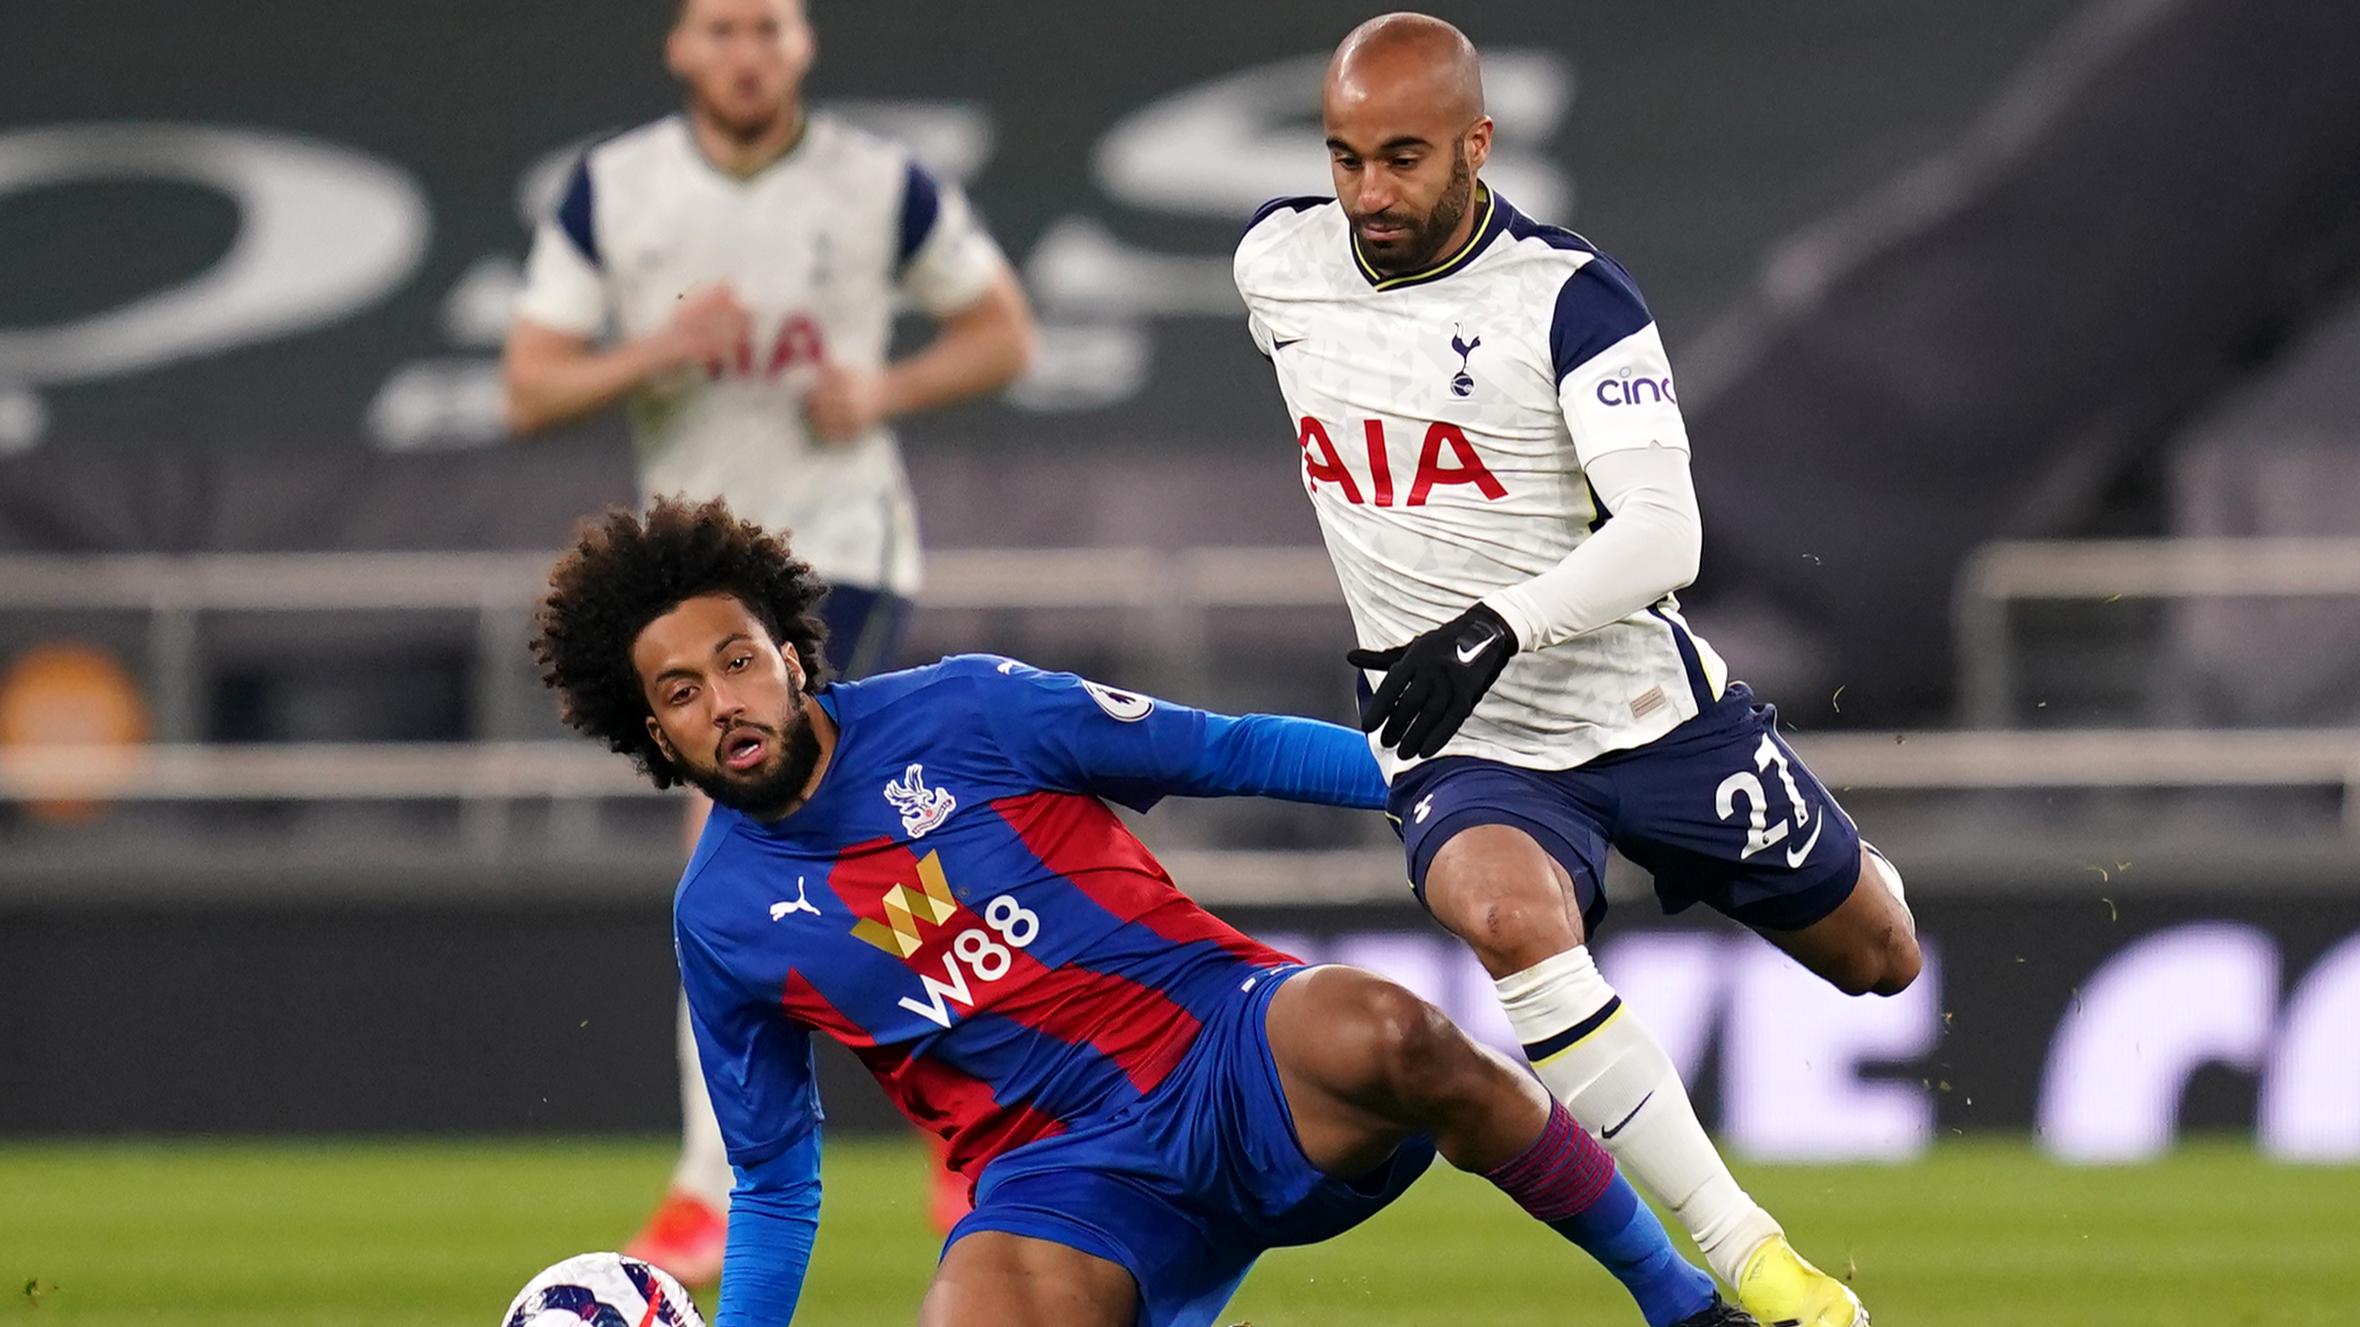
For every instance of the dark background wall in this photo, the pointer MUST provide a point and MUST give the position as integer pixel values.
(558, 1015)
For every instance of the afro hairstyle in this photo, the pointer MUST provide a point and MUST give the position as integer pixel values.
(626, 571)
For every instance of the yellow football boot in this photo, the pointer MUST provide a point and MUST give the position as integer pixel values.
(1780, 1288)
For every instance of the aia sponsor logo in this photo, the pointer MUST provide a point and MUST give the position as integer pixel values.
(1323, 464)
(798, 344)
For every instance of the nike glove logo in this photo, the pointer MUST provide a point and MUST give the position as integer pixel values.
(1619, 1125)
(1478, 639)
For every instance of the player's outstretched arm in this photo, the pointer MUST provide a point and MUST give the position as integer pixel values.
(553, 377)
(1289, 758)
(1137, 750)
(981, 349)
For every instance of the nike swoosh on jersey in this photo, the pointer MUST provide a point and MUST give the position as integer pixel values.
(1619, 1125)
(1281, 345)
(1795, 856)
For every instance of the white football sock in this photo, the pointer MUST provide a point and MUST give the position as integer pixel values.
(703, 1172)
(1609, 1070)
(1891, 876)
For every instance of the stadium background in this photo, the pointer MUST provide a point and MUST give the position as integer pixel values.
(2017, 340)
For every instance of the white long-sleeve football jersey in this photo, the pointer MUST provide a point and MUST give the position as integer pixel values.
(1445, 418)
(819, 246)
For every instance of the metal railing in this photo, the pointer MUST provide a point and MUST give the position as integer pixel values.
(411, 771)
(1999, 575)
(1170, 592)
(562, 770)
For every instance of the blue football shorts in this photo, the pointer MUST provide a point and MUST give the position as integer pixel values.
(1720, 810)
(1188, 1186)
(864, 629)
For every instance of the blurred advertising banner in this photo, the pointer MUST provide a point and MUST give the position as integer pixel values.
(2109, 1026)
(1923, 269)
(305, 227)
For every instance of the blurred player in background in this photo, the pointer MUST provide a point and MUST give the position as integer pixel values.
(1492, 443)
(743, 261)
(924, 867)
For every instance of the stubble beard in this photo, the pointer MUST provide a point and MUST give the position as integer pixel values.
(744, 127)
(767, 792)
(1422, 247)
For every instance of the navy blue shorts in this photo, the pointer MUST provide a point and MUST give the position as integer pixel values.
(1187, 1187)
(864, 629)
(1720, 810)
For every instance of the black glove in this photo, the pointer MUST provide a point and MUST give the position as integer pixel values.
(1431, 684)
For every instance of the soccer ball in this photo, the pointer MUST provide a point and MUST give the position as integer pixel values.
(602, 1290)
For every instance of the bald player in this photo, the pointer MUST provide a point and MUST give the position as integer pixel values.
(1491, 438)
(730, 274)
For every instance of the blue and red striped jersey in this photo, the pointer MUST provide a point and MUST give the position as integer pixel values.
(958, 904)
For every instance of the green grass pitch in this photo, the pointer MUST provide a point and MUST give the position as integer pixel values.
(405, 1234)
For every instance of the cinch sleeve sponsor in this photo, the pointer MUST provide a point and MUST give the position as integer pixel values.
(948, 259)
(1614, 380)
(564, 289)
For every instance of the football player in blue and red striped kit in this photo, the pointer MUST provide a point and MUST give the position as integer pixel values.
(924, 866)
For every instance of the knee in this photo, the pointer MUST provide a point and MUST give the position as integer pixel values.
(1407, 1042)
(1507, 899)
(1886, 968)
(1868, 946)
(1903, 960)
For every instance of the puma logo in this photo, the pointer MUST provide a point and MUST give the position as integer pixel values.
(800, 903)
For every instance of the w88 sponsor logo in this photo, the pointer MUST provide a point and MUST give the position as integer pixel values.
(985, 958)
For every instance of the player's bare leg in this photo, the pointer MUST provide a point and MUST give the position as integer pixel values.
(1496, 888)
(995, 1279)
(1868, 945)
(1365, 1064)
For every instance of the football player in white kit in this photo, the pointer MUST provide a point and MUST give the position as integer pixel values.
(743, 261)
(1492, 440)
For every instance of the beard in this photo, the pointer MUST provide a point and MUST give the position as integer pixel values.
(1422, 245)
(744, 109)
(768, 790)
(749, 124)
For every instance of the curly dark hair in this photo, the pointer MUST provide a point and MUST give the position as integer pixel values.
(625, 572)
